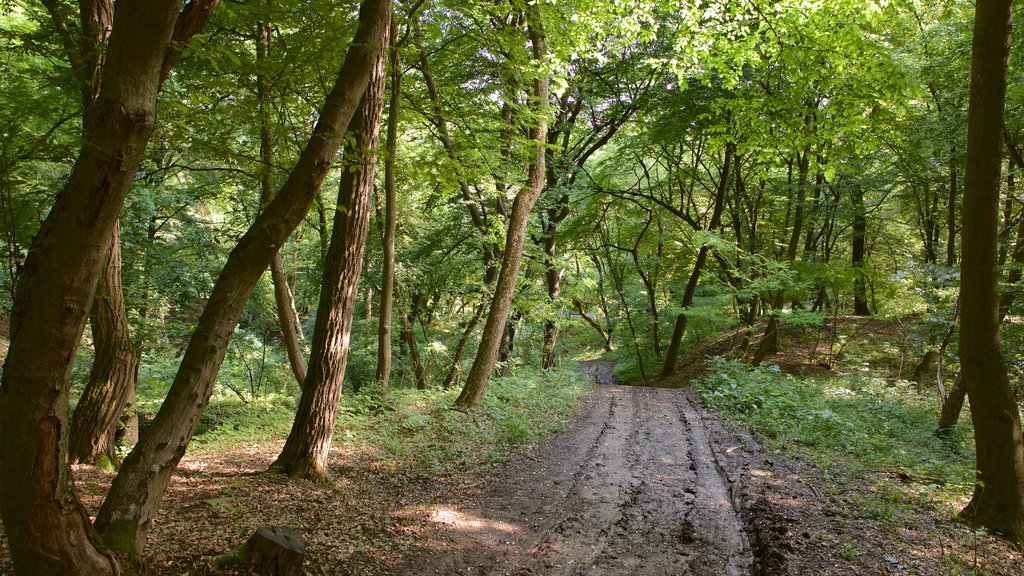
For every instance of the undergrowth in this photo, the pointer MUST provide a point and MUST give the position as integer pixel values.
(856, 428)
(416, 430)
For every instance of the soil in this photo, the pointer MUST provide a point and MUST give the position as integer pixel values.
(632, 487)
(642, 482)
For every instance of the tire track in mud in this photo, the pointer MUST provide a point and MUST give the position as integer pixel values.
(630, 487)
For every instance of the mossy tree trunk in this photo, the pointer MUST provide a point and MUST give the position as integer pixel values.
(47, 528)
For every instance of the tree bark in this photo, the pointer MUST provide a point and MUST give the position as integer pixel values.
(456, 368)
(287, 316)
(769, 343)
(998, 501)
(952, 406)
(135, 494)
(309, 443)
(702, 255)
(390, 218)
(553, 281)
(490, 341)
(112, 378)
(47, 529)
(859, 236)
(951, 210)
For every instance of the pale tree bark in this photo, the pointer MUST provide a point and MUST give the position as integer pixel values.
(998, 501)
(387, 289)
(112, 378)
(309, 443)
(47, 529)
(287, 316)
(135, 494)
(490, 341)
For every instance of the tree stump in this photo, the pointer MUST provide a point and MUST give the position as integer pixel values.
(270, 551)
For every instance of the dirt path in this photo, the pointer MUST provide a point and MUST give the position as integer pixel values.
(631, 487)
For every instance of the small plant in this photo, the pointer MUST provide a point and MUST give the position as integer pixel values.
(847, 549)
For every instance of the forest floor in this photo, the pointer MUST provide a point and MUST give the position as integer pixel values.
(642, 481)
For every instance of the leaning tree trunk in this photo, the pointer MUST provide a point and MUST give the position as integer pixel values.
(490, 341)
(998, 501)
(702, 255)
(112, 378)
(309, 443)
(287, 316)
(387, 289)
(134, 496)
(456, 368)
(47, 529)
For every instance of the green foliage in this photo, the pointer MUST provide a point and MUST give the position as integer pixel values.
(849, 425)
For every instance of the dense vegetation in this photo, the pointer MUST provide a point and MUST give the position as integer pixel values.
(517, 184)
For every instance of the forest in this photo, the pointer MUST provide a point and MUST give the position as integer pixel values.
(511, 287)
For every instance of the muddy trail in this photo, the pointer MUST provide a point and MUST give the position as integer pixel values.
(632, 486)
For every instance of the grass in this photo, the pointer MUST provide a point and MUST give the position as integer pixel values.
(855, 427)
(415, 430)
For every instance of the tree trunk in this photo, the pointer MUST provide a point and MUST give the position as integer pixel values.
(702, 255)
(951, 211)
(287, 316)
(135, 494)
(952, 406)
(998, 501)
(390, 219)
(47, 529)
(309, 442)
(112, 378)
(553, 281)
(487, 355)
(409, 334)
(467, 331)
(769, 343)
(605, 336)
(860, 227)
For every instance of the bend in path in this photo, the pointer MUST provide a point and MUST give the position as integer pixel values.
(630, 487)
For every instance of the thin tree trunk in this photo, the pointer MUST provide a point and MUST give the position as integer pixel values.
(605, 336)
(287, 316)
(553, 281)
(490, 341)
(769, 343)
(952, 407)
(309, 443)
(112, 378)
(860, 227)
(998, 501)
(456, 368)
(390, 218)
(702, 255)
(135, 494)
(409, 334)
(951, 210)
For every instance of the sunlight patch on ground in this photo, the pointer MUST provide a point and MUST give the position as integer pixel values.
(466, 522)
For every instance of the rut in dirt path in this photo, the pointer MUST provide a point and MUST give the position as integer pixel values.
(630, 487)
